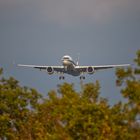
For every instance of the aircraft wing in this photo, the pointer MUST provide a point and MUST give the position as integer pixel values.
(44, 68)
(100, 67)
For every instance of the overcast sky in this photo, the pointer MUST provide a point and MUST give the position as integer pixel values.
(42, 31)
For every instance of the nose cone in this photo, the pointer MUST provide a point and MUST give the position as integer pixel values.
(65, 63)
(66, 60)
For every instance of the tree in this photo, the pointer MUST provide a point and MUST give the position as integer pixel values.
(67, 114)
(17, 105)
(130, 82)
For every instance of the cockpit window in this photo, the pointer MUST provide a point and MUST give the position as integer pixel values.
(66, 57)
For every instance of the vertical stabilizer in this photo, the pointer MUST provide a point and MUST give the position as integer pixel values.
(77, 63)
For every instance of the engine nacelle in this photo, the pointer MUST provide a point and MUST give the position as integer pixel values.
(50, 70)
(90, 70)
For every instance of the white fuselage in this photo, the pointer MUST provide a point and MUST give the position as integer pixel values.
(67, 61)
(69, 66)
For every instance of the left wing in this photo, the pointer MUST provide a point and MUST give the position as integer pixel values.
(100, 67)
(55, 68)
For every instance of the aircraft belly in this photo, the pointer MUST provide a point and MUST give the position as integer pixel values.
(71, 71)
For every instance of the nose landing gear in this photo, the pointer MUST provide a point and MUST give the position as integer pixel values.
(82, 77)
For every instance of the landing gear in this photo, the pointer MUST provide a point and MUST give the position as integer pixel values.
(82, 77)
(61, 77)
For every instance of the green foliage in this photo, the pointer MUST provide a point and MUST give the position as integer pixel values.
(16, 105)
(91, 91)
(130, 77)
(1, 71)
(131, 91)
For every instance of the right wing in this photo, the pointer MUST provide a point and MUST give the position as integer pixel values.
(56, 69)
(84, 69)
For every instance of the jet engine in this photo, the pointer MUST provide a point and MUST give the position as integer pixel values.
(90, 70)
(50, 70)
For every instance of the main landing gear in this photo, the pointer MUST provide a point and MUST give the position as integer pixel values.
(61, 77)
(82, 77)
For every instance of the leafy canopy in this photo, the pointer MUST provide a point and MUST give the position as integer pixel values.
(70, 115)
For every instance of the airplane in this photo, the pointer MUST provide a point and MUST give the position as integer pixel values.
(71, 68)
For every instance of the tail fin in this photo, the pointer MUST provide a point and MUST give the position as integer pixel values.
(77, 63)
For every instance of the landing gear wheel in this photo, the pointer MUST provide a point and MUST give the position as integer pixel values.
(82, 77)
(61, 77)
